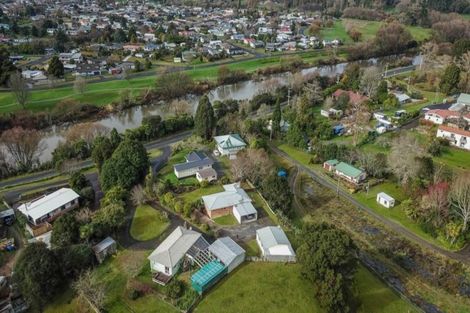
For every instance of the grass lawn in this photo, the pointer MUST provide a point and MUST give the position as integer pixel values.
(455, 157)
(274, 287)
(153, 153)
(251, 248)
(115, 273)
(195, 195)
(148, 223)
(259, 204)
(226, 220)
(167, 173)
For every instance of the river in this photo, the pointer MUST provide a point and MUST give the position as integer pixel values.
(132, 118)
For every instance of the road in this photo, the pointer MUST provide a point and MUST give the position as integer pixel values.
(398, 71)
(156, 164)
(462, 255)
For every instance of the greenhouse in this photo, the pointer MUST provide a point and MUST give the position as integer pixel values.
(208, 275)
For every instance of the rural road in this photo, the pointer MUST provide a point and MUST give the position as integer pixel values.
(462, 255)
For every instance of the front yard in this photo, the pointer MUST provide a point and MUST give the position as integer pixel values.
(148, 223)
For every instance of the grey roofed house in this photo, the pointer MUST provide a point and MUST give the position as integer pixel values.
(462, 101)
(228, 252)
(172, 250)
(232, 195)
(195, 161)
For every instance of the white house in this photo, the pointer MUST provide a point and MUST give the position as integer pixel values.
(456, 136)
(402, 98)
(228, 252)
(463, 101)
(196, 161)
(274, 244)
(385, 200)
(440, 116)
(167, 258)
(49, 207)
(234, 200)
(229, 144)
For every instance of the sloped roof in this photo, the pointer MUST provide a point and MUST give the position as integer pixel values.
(348, 169)
(455, 130)
(48, 203)
(232, 195)
(174, 247)
(226, 250)
(207, 172)
(245, 208)
(443, 113)
(105, 243)
(272, 236)
(385, 196)
(464, 98)
(229, 141)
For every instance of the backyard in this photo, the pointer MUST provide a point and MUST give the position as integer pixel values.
(148, 223)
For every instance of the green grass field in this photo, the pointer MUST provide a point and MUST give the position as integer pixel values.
(274, 287)
(226, 220)
(148, 223)
(455, 157)
(195, 195)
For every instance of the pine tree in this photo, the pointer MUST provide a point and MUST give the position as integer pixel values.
(204, 120)
(450, 80)
(56, 68)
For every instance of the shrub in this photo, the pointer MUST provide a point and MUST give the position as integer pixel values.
(174, 289)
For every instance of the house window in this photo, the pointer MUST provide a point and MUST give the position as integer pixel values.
(167, 270)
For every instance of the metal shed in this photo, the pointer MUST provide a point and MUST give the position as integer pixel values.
(208, 276)
(104, 248)
(228, 252)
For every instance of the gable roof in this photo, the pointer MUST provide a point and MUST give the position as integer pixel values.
(443, 113)
(232, 195)
(104, 244)
(226, 250)
(348, 169)
(455, 130)
(195, 156)
(49, 203)
(354, 97)
(385, 196)
(272, 236)
(464, 98)
(193, 160)
(230, 141)
(174, 247)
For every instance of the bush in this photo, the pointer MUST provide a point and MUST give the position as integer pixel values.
(174, 289)
(134, 294)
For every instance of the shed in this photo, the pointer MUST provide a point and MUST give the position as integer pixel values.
(228, 252)
(385, 200)
(208, 276)
(104, 248)
(274, 244)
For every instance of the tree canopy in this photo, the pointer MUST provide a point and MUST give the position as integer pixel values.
(204, 122)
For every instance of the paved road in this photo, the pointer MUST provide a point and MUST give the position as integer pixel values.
(398, 71)
(462, 255)
(159, 143)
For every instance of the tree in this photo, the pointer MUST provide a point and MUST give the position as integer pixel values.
(138, 195)
(102, 150)
(434, 206)
(173, 85)
(392, 38)
(126, 167)
(277, 192)
(137, 66)
(23, 145)
(87, 132)
(78, 181)
(328, 259)
(403, 158)
(109, 219)
(65, 231)
(90, 289)
(370, 81)
(6, 66)
(459, 197)
(37, 274)
(79, 85)
(204, 121)
(56, 68)
(276, 120)
(19, 88)
(252, 164)
(295, 136)
(464, 64)
(450, 80)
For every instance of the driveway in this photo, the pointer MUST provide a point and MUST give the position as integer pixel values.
(244, 232)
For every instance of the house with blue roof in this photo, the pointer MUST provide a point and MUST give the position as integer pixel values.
(197, 164)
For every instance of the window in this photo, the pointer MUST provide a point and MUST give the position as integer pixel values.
(167, 270)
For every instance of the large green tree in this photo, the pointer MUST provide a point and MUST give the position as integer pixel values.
(56, 68)
(126, 167)
(102, 150)
(6, 66)
(328, 259)
(450, 80)
(65, 231)
(204, 122)
(277, 192)
(38, 275)
(277, 117)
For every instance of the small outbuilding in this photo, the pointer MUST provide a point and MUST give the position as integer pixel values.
(228, 252)
(106, 247)
(274, 244)
(385, 200)
(208, 276)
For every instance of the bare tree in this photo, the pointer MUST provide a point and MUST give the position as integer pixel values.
(403, 157)
(252, 164)
(464, 64)
(79, 84)
(86, 131)
(5, 166)
(88, 288)
(459, 197)
(179, 106)
(19, 88)
(434, 206)
(359, 120)
(23, 145)
(138, 195)
(370, 81)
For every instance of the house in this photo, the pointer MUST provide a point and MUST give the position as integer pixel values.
(385, 200)
(104, 248)
(456, 136)
(345, 171)
(168, 257)
(47, 208)
(74, 57)
(196, 162)
(440, 116)
(228, 252)
(234, 200)
(274, 244)
(463, 101)
(33, 75)
(402, 98)
(331, 113)
(354, 97)
(229, 144)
